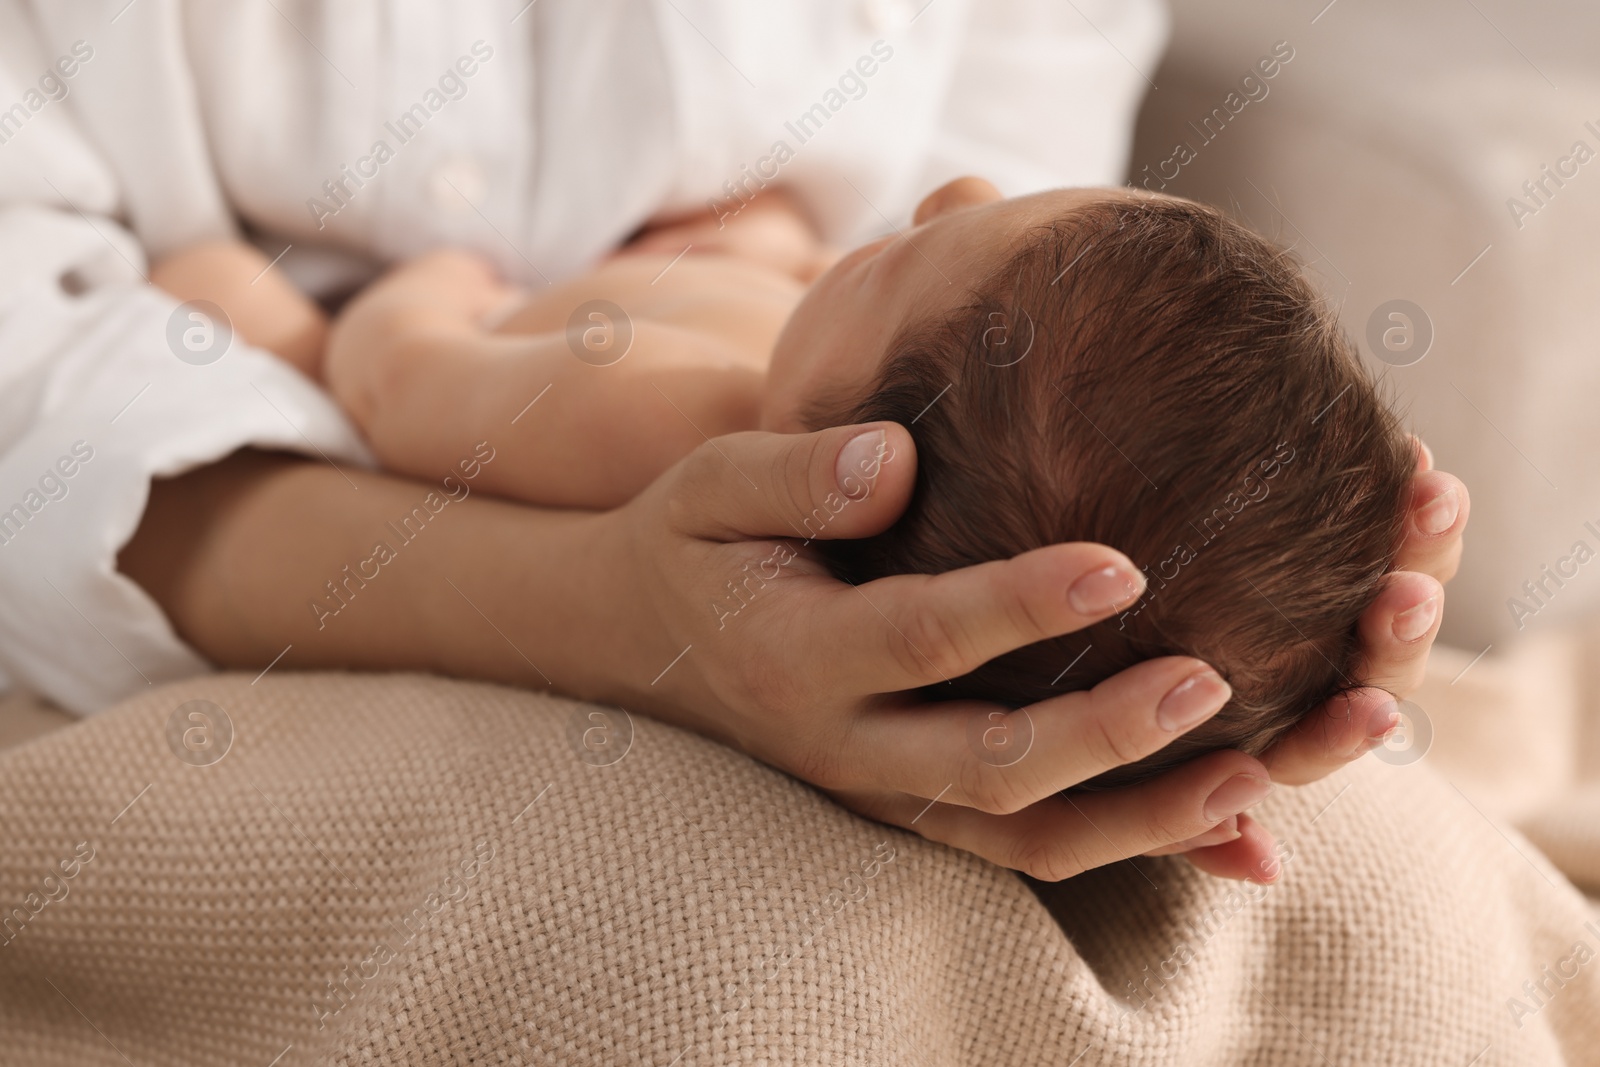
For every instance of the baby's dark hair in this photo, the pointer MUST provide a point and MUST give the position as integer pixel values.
(1148, 374)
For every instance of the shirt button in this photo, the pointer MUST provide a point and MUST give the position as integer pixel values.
(457, 185)
(887, 16)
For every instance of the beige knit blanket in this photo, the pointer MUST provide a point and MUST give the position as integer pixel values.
(409, 870)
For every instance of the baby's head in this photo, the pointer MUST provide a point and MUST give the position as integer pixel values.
(1140, 371)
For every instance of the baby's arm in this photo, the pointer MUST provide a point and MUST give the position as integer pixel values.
(265, 310)
(411, 363)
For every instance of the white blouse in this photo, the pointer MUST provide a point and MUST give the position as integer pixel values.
(356, 132)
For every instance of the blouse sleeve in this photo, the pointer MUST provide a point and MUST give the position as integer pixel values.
(105, 382)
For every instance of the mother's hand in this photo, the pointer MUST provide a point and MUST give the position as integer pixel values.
(759, 646)
(1397, 632)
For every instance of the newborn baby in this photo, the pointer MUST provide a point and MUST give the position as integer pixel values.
(1080, 365)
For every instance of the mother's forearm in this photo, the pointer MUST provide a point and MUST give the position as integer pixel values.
(363, 570)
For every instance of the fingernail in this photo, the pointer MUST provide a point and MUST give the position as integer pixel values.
(1413, 622)
(1266, 872)
(1380, 731)
(1385, 726)
(1107, 589)
(859, 460)
(1439, 514)
(1238, 793)
(1192, 701)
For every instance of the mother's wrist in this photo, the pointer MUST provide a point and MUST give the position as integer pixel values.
(605, 632)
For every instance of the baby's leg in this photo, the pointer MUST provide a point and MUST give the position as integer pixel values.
(411, 362)
(263, 308)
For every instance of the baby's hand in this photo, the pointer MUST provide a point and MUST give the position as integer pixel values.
(264, 309)
(424, 308)
(771, 229)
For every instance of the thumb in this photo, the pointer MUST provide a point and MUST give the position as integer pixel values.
(845, 481)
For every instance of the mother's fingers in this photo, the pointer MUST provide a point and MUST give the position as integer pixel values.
(1397, 632)
(1061, 837)
(1439, 508)
(1424, 453)
(845, 481)
(1252, 856)
(1220, 834)
(1343, 729)
(911, 630)
(977, 755)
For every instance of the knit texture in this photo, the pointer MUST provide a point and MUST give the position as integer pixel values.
(403, 869)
